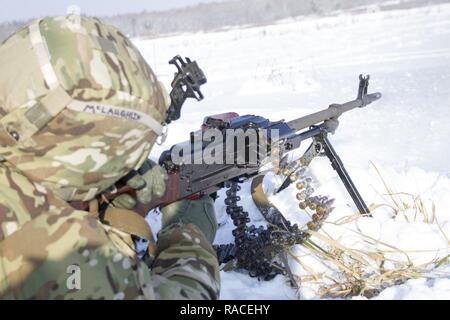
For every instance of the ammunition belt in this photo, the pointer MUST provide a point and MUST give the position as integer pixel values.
(258, 250)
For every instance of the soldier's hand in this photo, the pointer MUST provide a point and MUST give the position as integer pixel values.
(197, 212)
(149, 183)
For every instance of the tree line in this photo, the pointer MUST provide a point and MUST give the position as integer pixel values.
(215, 16)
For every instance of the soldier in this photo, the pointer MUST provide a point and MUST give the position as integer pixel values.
(79, 109)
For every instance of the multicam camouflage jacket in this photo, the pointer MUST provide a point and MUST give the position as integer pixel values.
(42, 237)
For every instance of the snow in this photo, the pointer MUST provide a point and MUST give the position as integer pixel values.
(302, 65)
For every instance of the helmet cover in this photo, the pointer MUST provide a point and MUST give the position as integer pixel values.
(79, 105)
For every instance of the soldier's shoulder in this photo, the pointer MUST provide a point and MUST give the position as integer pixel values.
(45, 233)
(23, 201)
(20, 200)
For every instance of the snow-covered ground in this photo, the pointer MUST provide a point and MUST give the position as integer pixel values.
(300, 66)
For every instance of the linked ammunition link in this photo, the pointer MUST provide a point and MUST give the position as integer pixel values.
(257, 250)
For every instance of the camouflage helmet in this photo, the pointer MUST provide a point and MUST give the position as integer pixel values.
(79, 106)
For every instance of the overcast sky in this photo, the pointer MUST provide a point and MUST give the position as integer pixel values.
(25, 9)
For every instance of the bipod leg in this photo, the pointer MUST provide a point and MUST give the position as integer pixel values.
(338, 166)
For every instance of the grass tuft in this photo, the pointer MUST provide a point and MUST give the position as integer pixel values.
(353, 272)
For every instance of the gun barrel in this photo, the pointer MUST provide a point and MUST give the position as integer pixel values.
(333, 112)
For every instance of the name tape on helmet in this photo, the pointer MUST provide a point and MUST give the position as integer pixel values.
(117, 112)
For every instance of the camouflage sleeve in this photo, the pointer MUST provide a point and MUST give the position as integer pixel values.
(50, 251)
(186, 266)
(73, 256)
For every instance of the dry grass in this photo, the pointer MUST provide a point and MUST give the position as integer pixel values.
(353, 272)
(356, 272)
(401, 202)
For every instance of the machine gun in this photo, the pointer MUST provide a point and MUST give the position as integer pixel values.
(188, 179)
(202, 166)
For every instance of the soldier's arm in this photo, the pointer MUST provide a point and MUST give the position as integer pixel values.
(186, 266)
(50, 245)
(49, 240)
(186, 256)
